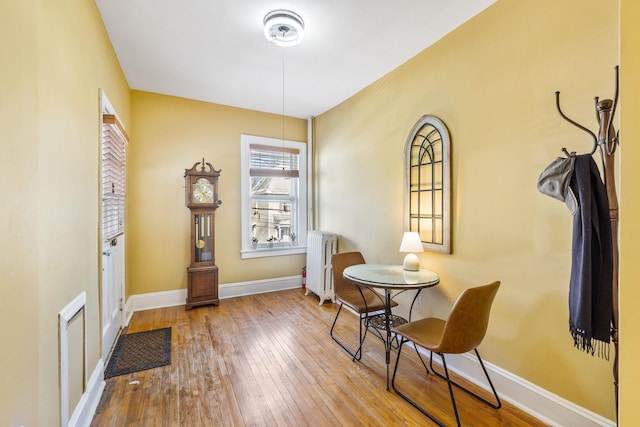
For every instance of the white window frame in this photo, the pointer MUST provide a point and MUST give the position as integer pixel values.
(300, 245)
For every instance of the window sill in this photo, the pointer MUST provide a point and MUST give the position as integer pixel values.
(275, 251)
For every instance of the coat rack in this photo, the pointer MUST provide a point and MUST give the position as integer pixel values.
(608, 140)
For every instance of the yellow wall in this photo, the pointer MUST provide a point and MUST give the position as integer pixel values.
(492, 81)
(19, 287)
(629, 213)
(168, 136)
(56, 55)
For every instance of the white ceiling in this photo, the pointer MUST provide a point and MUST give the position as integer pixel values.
(215, 50)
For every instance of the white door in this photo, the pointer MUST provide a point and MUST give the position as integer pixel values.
(111, 292)
(112, 186)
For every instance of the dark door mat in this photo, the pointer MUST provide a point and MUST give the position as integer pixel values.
(139, 351)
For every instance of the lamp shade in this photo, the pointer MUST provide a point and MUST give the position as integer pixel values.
(411, 243)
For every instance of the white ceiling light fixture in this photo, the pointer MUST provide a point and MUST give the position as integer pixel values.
(283, 27)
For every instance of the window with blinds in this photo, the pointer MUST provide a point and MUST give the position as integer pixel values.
(270, 161)
(274, 194)
(114, 145)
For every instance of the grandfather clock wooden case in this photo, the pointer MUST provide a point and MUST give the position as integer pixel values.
(201, 190)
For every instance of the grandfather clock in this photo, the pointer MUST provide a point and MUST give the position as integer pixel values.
(201, 191)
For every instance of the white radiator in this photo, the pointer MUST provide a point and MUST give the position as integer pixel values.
(320, 246)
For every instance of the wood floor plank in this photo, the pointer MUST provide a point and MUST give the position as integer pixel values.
(268, 360)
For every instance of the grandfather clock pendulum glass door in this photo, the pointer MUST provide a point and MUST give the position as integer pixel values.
(201, 190)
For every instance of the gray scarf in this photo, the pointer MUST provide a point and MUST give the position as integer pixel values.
(590, 288)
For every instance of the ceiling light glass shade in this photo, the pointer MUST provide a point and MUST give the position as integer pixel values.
(411, 243)
(283, 27)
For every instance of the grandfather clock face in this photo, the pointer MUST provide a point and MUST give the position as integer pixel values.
(202, 191)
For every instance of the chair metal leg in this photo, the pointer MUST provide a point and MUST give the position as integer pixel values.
(373, 329)
(496, 405)
(450, 384)
(405, 397)
(356, 355)
(453, 399)
(421, 359)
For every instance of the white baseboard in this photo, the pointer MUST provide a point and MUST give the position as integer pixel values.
(540, 403)
(86, 408)
(534, 400)
(230, 290)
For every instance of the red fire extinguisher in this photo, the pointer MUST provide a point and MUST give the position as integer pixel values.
(304, 277)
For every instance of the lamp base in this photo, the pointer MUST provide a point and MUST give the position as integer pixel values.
(411, 263)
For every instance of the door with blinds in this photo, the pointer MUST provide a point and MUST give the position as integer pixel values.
(112, 176)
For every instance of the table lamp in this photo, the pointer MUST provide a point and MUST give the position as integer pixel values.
(411, 243)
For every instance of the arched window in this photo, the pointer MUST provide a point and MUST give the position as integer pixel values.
(428, 177)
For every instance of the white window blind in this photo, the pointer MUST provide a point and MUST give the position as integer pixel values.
(114, 144)
(274, 161)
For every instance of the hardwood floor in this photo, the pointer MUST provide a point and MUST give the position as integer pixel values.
(268, 360)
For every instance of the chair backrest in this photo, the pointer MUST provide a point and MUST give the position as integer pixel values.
(339, 262)
(467, 323)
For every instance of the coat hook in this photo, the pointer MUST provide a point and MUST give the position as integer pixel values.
(611, 142)
(595, 138)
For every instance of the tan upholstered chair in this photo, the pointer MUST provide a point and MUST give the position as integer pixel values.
(462, 331)
(364, 301)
